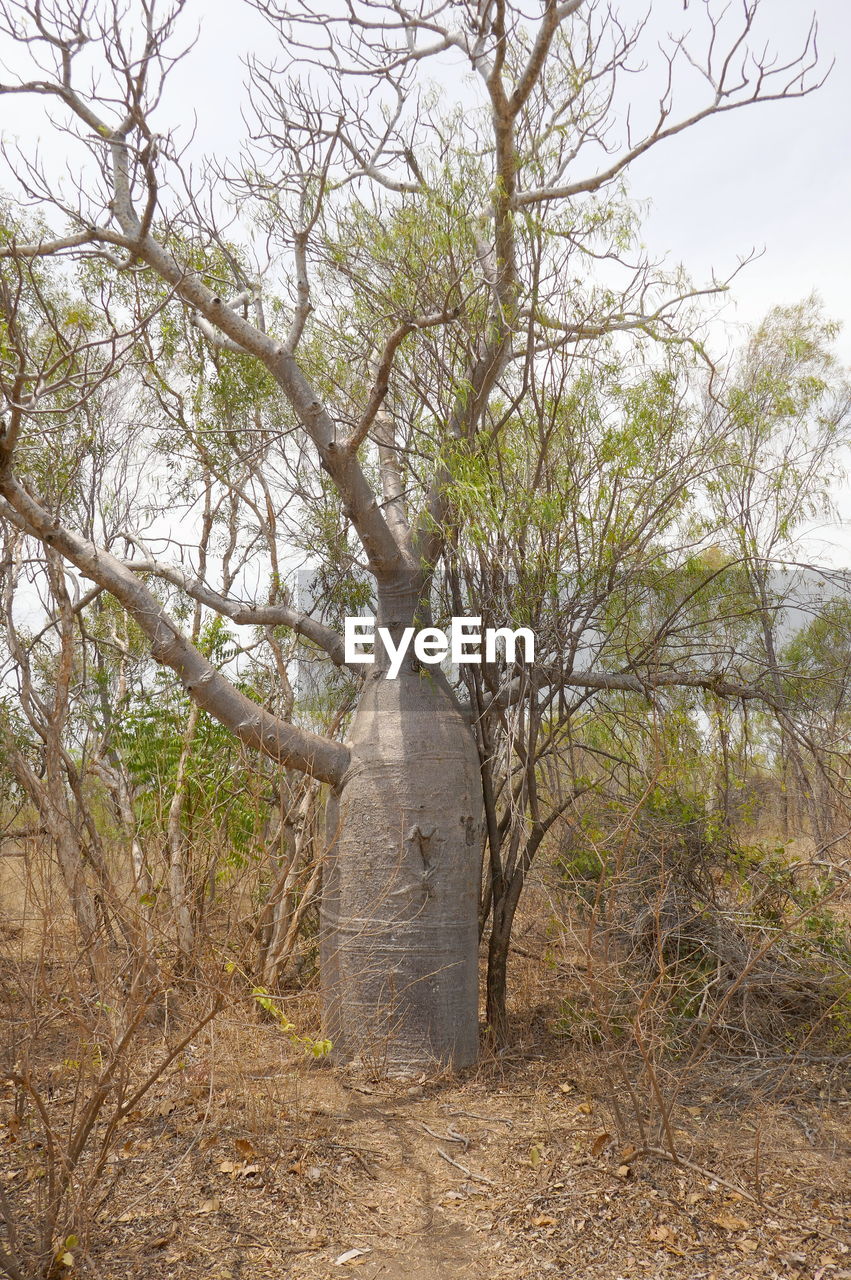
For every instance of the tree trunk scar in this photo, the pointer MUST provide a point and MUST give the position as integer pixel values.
(423, 839)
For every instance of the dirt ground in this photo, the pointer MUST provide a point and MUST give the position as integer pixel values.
(245, 1163)
(248, 1160)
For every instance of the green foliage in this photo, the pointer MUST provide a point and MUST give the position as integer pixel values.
(707, 930)
(220, 799)
(270, 1005)
(580, 863)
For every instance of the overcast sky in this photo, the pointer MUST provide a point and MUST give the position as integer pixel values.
(775, 177)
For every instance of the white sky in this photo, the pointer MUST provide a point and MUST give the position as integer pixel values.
(775, 177)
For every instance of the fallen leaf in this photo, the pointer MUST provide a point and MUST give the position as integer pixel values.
(747, 1246)
(660, 1233)
(600, 1143)
(345, 1259)
(244, 1148)
(729, 1223)
(694, 1111)
(543, 1220)
(628, 1153)
(209, 1206)
(534, 1156)
(565, 1087)
(623, 1171)
(585, 1108)
(227, 1166)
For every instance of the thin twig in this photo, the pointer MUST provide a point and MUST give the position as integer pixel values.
(476, 1177)
(663, 1154)
(449, 1136)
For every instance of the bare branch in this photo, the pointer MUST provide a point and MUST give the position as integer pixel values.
(251, 723)
(240, 612)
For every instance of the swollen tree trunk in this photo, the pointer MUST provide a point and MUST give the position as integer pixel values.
(402, 880)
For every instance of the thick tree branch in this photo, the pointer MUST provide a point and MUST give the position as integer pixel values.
(239, 611)
(384, 366)
(252, 724)
(540, 678)
(553, 18)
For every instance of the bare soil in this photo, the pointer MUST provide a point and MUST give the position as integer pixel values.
(250, 1161)
(245, 1163)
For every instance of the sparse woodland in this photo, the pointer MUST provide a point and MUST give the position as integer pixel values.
(498, 970)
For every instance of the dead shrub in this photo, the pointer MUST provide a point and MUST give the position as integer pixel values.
(691, 942)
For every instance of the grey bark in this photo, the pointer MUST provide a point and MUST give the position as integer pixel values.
(402, 880)
(177, 877)
(212, 691)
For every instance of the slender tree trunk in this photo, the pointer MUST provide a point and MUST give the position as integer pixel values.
(48, 798)
(296, 919)
(502, 923)
(402, 877)
(142, 883)
(497, 980)
(283, 901)
(181, 903)
(499, 943)
(724, 768)
(80, 895)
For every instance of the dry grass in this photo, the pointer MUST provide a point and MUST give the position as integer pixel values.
(248, 1161)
